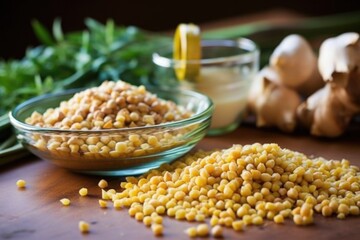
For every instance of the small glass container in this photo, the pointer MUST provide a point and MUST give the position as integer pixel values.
(227, 68)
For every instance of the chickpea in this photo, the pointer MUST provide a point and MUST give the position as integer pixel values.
(112, 105)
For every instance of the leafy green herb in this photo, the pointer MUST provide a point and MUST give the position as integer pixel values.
(57, 30)
(78, 59)
(42, 33)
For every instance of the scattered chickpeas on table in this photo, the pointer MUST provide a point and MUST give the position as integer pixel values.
(84, 227)
(242, 186)
(191, 232)
(102, 203)
(217, 231)
(157, 229)
(21, 183)
(103, 184)
(83, 192)
(202, 230)
(237, 187)
(65, 201)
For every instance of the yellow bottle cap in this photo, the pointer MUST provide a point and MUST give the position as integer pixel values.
(187, 51)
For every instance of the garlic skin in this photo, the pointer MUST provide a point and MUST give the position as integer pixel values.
(273, 104)
(338, 57)
(258, 87)
(294, 62)
(339, 63)
(353, 86)
(327, 112)
(330, 85)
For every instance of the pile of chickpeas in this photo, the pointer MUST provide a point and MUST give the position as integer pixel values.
(112, 105)
(241, 186)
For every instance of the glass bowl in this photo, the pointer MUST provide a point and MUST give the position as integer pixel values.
(79, 150)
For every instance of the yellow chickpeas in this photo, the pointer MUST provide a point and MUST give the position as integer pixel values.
(238, 187)
(326, 211)
(83, 192)
(103, 184)
(202, 230)
(279, 219)
(147, 221)
(217, 231)
(21, 183)
(244, 185)
(102, 203)
(257, 220)
(65, 201)
(112, 105)
(139, 216)
(157, 229)
(84, 227)
(191, 232)
(157, 219)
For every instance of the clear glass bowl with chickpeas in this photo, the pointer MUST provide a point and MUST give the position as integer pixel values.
(114, 129)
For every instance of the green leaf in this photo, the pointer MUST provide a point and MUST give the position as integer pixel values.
(48, 84)
(94, 25)
(82, 59)
(85, 41)
(109, 32)
(42, 33)
(38, 84)
(57, 30)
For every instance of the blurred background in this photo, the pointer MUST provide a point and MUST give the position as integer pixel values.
(15, 18)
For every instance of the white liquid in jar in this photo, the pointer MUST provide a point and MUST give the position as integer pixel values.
(228, 89)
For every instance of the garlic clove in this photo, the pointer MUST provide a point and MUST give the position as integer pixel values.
(294, 61)
(338, 57)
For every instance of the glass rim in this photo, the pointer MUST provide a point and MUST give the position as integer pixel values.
(251, 54)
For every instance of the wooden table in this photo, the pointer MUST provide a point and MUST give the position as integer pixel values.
(36, 213)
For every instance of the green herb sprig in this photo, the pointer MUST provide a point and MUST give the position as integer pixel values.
(63, 61)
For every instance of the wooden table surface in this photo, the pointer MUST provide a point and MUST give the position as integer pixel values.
(36, 213)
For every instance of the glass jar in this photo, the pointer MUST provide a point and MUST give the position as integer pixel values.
(226, 71)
